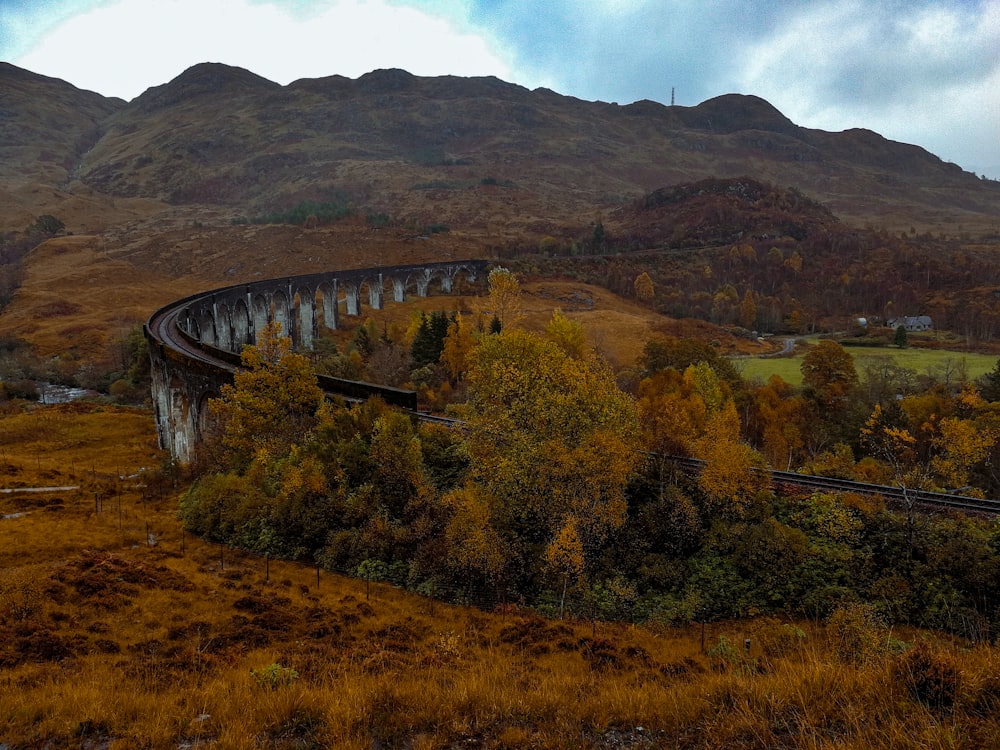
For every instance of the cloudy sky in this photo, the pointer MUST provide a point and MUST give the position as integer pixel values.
(918, 71)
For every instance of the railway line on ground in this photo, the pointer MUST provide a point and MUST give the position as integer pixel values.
(897, 495)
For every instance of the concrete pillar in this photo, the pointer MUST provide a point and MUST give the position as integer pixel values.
(375, 294)
(306, 318)
(353, 303)
(330, 305)
(423, 282)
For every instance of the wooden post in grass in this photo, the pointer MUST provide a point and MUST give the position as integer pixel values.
(182, 542)
(222, 557)
(267, 567)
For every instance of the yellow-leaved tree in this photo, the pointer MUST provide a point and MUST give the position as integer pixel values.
(551, 440)
(458, 344)
(693, 414)
(273, 402)
(643, 286)
(568, 335)
(962, 443)
(505, 296)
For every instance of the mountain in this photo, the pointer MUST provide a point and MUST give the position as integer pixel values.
(471, 152)
(46, 125)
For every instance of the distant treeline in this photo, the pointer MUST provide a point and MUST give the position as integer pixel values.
(304, 212)
(313, 214)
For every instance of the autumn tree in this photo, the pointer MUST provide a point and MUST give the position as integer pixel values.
(828, 373)
(733, 472)
(505, 296)
(961, 444)
(565, 555)
(643, 287)
(273, 401)
(694, 414)
(458, 345)
(476, 545)
(886, 437)
(550, 438)
(830, 384)
(568, 335)
(781, 424)
(671, 414)
(748, 310)
(681, 353)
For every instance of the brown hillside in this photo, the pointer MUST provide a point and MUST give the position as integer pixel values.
(472, 152)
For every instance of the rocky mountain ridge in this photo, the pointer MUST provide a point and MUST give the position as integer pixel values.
(477, 153)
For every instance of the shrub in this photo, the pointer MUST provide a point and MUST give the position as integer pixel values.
(777, 639)
(858, 632)
(274, 675)
(726, 656)
(930, 677)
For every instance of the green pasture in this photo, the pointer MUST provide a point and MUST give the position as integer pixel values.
(936, 362)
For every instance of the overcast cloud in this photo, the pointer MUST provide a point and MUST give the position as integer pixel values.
(918, 71)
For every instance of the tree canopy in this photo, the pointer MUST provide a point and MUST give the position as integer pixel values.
(551, 441)
(273, 401)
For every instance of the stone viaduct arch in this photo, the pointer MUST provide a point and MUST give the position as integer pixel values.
(195, 342)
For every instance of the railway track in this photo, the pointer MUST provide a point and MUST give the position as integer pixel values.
(905, 496)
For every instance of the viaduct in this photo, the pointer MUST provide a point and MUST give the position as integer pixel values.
(194, 343)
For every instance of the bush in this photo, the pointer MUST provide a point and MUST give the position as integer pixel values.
(930, 677)
(274, 676)
(23, 389)
(858, 633)
(725, 657)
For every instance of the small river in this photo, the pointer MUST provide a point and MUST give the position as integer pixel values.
(50, 393)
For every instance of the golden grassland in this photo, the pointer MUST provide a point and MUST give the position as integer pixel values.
(118, 631)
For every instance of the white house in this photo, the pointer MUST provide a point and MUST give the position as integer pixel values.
(912, 323)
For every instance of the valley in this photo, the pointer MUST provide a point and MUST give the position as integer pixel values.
(344, 576)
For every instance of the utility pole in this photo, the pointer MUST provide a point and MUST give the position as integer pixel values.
(671, 96)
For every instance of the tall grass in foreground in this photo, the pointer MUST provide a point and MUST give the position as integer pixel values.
(114, 637)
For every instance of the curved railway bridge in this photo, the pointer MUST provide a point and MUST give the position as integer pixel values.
(194, 346)
(194, 343)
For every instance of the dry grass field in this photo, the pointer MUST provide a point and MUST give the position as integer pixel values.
(118, 631)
